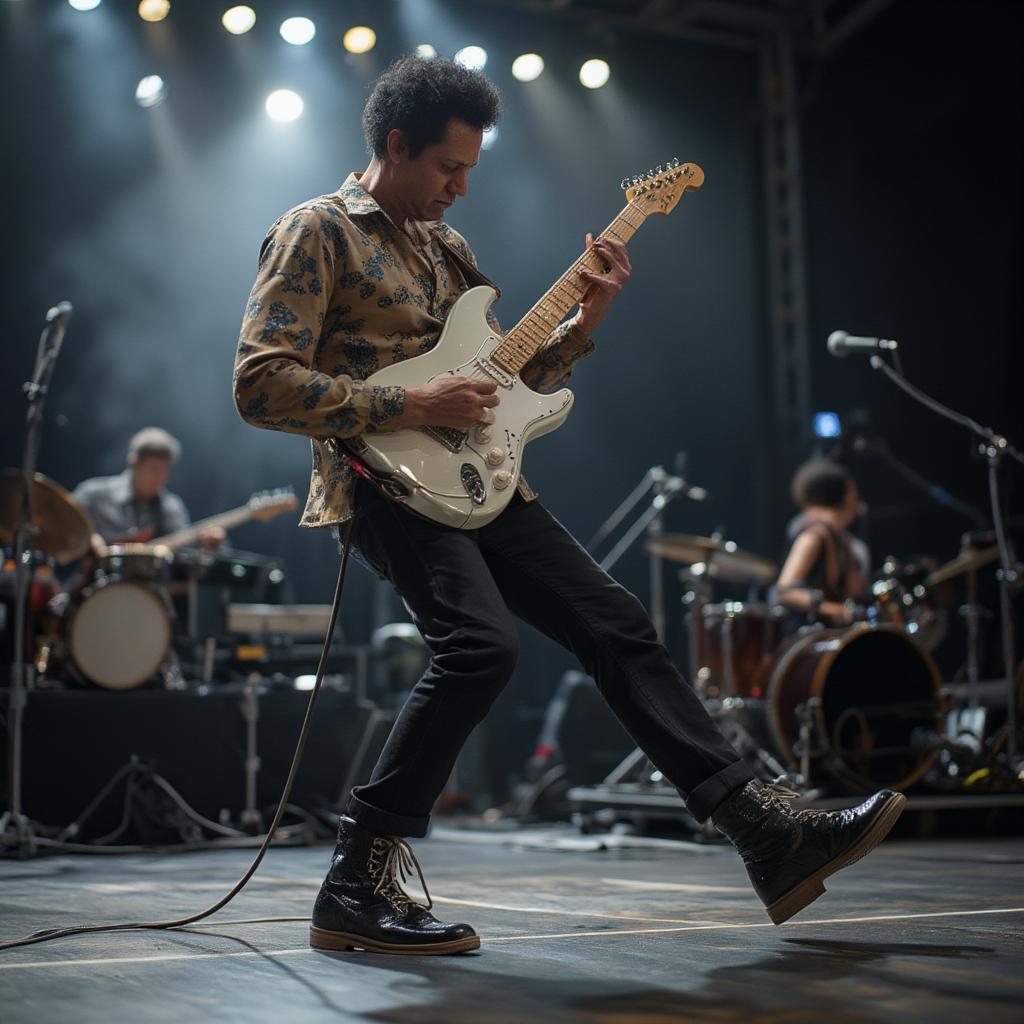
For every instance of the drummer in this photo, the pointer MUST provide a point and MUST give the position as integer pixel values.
(135, 506)
(824, 575)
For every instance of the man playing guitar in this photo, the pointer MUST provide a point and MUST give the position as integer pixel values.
(357, 280)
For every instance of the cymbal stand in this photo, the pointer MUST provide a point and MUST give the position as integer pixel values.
(666, 489)
(16, 830)
(970, 612)
(994, 447)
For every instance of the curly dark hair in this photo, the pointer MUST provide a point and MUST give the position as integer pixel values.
(820, 482)
(421, 96)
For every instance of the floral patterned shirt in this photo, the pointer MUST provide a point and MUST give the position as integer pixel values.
(341, 292)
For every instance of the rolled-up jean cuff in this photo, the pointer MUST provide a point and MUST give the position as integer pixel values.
(385, 823)
(702, 801)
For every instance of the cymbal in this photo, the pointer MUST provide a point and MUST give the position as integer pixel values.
(722, 558)
(62, 526)
(966, 561)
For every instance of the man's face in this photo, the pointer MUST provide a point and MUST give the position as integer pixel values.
(150, 475)
(431, 182)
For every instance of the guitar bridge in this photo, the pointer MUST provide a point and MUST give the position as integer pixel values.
(452, 438)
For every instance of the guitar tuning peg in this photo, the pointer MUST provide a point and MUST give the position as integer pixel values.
(624, 184)
(674, 162)
(650, 172)
(658, 169)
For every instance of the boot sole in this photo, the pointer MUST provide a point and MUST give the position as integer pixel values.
(342, 942)
(813, 886)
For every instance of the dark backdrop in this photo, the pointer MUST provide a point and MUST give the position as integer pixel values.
(149, 221)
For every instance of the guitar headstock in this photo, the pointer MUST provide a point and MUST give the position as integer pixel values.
(661, 188)
(267, 504)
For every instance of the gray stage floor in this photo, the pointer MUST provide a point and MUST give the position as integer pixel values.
(919, 931)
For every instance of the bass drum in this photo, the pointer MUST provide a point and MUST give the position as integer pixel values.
(118, 633)
(874, 688)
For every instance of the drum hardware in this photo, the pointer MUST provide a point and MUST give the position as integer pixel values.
(900, 596)
(60, 527)
(994, 447)
(115, 634)
(741, 721)
(807, 714)
(714, 557)
(848, 701)
(147, 563)
(733, 645)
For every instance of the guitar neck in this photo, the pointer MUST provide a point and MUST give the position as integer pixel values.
(529, 335)
(189, 535)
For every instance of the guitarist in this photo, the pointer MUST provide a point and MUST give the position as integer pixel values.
(363, 277)
(135, 506)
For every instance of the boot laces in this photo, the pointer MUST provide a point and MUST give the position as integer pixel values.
(779, 795)
(392, 861)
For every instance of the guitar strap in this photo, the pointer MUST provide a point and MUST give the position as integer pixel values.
(470, 271)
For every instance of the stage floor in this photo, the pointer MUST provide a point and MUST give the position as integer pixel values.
(920, 930)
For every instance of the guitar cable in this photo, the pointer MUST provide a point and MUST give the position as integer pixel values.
(46, 934)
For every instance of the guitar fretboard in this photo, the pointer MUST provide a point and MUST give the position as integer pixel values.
(527, 337)
(189, 535)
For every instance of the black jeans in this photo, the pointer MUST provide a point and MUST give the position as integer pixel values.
(462, 588)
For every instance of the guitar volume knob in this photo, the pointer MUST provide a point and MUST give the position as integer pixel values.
(482, 434)
(501, 479)
(495, 457)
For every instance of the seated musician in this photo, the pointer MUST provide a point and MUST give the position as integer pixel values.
(135, 506)
(824, 576)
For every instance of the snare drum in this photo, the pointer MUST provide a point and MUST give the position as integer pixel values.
(144, 562)
(867, 691)
(117, 633)
(735, 645)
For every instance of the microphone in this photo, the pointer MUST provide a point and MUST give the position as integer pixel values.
(59, 314)
(841, 344)
(50, 340)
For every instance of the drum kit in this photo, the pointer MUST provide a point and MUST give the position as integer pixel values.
(853, 707)
(115, 625)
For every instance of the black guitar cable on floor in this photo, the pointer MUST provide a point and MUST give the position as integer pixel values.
(46, 934)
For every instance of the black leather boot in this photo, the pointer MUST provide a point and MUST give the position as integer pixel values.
(362, 905)
(788, 853)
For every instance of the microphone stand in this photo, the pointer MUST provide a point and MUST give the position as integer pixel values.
(15, 829)
(938, 494)
(666, 489)
(995, 448)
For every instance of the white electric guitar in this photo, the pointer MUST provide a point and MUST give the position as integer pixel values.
(464, 478)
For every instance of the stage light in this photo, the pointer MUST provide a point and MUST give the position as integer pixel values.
(84, 5)
(154, 10)
(359, 39)
(594, 73)
(297, 31)
(527, 67)
(425, 51)
(284, 105)
(827, 424)
(472, 57)
(150, 91)
(238, 20)
(489, 139)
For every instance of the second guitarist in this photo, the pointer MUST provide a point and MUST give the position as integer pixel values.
(135, 505)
